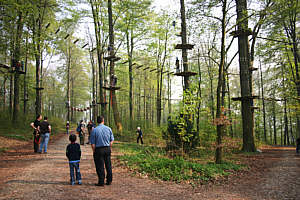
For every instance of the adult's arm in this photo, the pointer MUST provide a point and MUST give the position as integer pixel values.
(93, 147)
(32, 125)
(93, 140)
(49, 128)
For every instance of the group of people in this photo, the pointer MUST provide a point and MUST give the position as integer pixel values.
(41, 133)
(101, 139)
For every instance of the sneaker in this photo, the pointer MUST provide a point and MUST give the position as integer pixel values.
(98, 184)
(108, 183)
(72, 183)
(79, 182)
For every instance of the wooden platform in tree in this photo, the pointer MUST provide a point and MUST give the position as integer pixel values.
(40, 88)
(102, 103)
(19, 72)
(112, 58)
(4, 66)
(184, 46)
(185, 74)
(241, 32)
(253, 69)
(247, 97)
(111, 88)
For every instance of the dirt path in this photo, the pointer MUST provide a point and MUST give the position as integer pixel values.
(46, 176)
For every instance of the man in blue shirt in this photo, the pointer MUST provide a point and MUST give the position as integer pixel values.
(101, 140)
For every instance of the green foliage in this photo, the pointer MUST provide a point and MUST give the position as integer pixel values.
(153, 161)
(180, 132)
(22, 130)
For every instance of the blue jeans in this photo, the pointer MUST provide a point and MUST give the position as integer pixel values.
(44, 142)
(75, 166)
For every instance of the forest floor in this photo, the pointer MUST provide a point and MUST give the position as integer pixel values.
(273, 174)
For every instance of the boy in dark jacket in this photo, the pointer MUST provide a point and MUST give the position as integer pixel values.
(74, 153)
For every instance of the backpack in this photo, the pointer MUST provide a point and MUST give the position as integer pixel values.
(78, 128)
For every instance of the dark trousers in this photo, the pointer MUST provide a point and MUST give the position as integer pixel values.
(36, 143)
(81, 137)
(139, 137)
(101, 157)
(297, 148)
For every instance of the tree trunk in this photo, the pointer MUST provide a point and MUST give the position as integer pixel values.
(220, 100)
(274, 119)
(199, 94)
(25, 77)
(286, 125)
(129, 53)
(16, 59)
(244, 63)
(263, 102)
(68, 104)
(112, 70)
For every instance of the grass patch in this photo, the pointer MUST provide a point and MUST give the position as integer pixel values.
(3, 149)
(154, 162)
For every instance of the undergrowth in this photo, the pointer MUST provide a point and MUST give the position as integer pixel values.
(155, 162)
(23, 131)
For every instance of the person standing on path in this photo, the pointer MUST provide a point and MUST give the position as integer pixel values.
(36, 132)
(140, 135)
(73, 153)
(80, 131)
(90, 127)
(45, 129)
(101, 140)
(67, 127)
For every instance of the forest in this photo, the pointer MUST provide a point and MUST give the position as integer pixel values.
(199, 74)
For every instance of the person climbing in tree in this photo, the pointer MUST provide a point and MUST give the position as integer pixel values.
(90, 127)
(140, 135)
(298, 145)
(80, 132)
(36, 132)
(67, 127)
(177, 65)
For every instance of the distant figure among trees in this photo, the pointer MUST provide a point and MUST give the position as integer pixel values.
(36, 132)
(140, 135)
(298, 145)
(67, 127)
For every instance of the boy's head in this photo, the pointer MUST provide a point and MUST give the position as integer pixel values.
(72, 138)
(45, 118)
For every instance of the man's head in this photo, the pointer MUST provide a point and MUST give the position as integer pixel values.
(39, 117)
(138, 128)
(45, 118)
(72, 138)
(100, 120)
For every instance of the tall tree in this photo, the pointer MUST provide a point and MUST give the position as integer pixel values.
(244, 64)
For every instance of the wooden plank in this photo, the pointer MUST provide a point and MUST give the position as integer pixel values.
(185, 74)
(112, 58)
(111, 88)
(184, 46)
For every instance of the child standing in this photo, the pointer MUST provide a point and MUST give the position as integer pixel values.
(74, 153)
